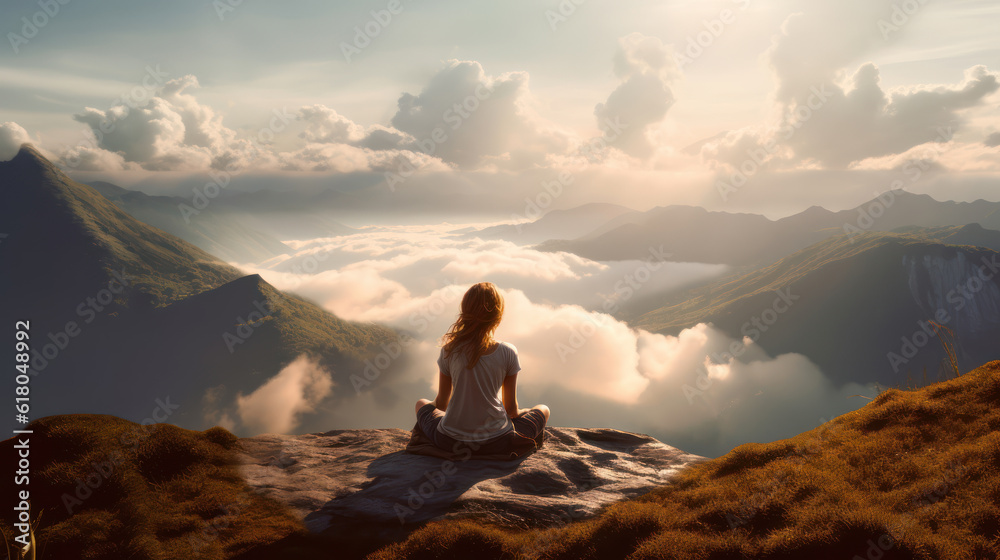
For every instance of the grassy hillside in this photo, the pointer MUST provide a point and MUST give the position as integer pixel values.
(911, 475)
(914, 474)
(156, 492)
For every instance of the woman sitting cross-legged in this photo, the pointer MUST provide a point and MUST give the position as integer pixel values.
(473, 369)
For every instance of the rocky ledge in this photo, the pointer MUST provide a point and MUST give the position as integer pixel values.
(348, 481)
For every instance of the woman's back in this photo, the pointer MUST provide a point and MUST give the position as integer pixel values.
(476, 412)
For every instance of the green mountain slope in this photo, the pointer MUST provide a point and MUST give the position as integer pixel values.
(973, 235)
(847, 303)
(215, 231)
(183, 324)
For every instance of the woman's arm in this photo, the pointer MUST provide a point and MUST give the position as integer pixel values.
(510, 397)
(444, 392)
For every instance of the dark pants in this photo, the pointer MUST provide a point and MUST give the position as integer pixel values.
(531, 425)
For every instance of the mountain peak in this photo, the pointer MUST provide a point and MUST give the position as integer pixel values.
(915, 196)
(40, 203)
(30, 185)
(816, 209)
(30, 174)
(29, 158)
(253, 283)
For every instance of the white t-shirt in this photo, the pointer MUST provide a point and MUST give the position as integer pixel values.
(475, 411)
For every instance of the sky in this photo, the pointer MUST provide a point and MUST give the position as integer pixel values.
(743, 105)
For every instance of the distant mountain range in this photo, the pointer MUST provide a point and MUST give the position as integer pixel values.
(555, 224)
(863, 279)
(858, 306)
(698, 235)
(122, 313)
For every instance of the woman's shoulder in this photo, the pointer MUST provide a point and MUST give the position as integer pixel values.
(508, 346)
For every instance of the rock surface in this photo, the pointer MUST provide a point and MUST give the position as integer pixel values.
(345, 481)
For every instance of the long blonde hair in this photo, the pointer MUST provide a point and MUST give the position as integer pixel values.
(482, 310)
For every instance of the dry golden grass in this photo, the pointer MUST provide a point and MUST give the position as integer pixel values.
(913, 471)
(916, 471)
(162, 492)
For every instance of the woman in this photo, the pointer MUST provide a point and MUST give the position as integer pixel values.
(473, 368)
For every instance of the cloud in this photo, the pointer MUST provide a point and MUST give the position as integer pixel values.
(170, 131)
(12, 135)
(646, 68)
(468, 118)
(84, 157)
(338, 144)
(325, 125)
(173, 131)
(336, 158)
(865, 121)
(202, 125)
(275, 407)
(830, 117)
(590, 366)
(366, 275)
(660, 356)
(378, 137)
(817, 42)
(993, 140)
(718, 406)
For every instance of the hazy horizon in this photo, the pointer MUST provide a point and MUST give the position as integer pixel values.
(651, 104)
